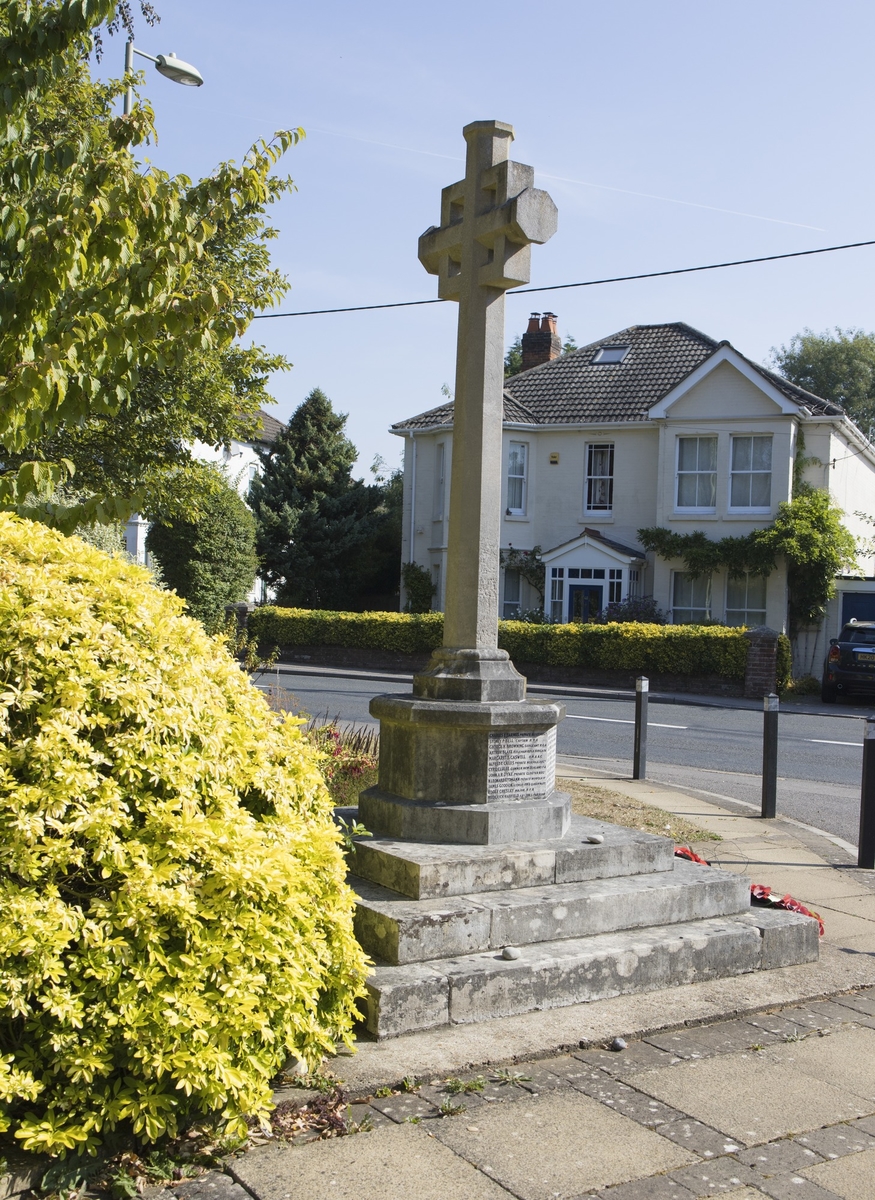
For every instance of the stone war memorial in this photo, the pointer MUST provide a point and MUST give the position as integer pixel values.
(480, 894)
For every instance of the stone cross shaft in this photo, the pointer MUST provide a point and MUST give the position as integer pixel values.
(483, 247)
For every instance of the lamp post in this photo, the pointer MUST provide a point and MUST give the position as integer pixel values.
(166, 64)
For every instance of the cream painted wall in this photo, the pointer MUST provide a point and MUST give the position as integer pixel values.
(724, 404)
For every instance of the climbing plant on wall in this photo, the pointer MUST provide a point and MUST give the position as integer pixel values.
(807, 531)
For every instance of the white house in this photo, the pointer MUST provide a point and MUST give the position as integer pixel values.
(657, 425)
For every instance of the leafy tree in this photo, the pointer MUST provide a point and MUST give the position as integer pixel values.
(838, 367)
(210, 562)
(376, 566)
(419, 586)
(110, 274)
(312, 516)
(513, 360)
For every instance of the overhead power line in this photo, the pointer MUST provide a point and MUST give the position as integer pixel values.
(558, 287)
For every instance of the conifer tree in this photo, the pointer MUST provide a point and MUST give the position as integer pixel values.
(312, 517)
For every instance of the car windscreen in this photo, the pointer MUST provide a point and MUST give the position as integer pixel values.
(859, 637)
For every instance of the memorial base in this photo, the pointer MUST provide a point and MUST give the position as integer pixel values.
(475, 770)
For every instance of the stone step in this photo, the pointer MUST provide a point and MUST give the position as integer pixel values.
(477, 987)
(426, 870)
(397, 930)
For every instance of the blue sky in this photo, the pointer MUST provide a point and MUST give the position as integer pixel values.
(668, 134)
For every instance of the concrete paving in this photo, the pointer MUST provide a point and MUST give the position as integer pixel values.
(757, 1086)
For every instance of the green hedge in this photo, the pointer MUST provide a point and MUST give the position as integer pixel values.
(623, 646)
(409, 633)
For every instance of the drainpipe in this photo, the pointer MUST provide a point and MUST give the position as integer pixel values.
(412, 499)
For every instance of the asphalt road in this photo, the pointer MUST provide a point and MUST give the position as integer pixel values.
(711, 751)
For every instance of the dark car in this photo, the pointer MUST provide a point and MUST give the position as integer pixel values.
(850, 665)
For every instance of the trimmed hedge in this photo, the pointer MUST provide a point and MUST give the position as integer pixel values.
(624, 646)
(408, 633)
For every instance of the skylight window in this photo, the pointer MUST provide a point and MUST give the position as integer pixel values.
(610, 354)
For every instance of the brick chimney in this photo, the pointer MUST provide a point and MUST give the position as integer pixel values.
(541, 342)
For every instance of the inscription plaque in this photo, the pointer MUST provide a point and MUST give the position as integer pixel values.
(521, 766)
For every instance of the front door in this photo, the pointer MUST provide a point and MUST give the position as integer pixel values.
(584, 601)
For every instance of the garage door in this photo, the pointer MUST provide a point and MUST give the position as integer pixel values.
(858, 605)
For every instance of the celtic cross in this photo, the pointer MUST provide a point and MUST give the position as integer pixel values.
(489, 220)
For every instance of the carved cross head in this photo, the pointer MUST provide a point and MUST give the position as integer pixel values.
(489, 219)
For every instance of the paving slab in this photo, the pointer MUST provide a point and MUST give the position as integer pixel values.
(845, 1059)
(638, 1056)
(837, 1140)
(795, 1187)
(560, 1145)
(859, 1003)
(215, 1185)
(852, 1177)
(716, 1176)
(702, 1041)
(397, 1163)
(660, 1187)
(779, 1158)
(752, 1099)
(745, 1192)
(703, 1140)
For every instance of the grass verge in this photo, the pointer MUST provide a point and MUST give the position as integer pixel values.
(605, 805)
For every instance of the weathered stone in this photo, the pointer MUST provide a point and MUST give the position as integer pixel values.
(788, 937)
(426, 870)
(401, 999)
(472, 824)
(398, 930)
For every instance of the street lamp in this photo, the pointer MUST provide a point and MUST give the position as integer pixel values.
(166, 64)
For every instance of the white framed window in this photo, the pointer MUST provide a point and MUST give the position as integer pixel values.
(691, 598)
(750, 476)
(517, 477)
(599, 494)
(557, 593)
(746, 600)
(697, 473)
(634, 582)
(440, 461)
(512, 587)
(615, 585)
(610, 354)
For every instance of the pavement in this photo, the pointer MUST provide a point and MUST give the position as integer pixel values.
(758, 1086)
(755, 1086)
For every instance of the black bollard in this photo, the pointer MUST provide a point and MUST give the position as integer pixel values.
(866, 850)
(639, 763)
(770, 755)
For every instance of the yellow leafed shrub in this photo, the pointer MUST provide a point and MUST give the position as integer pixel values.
(174, 914)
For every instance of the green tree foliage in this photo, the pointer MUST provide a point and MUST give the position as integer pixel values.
(419, 587)
(513, 360)
(837, 366)
(312, 517)
(114, 277)
(210, 561)
(175, 915)
(375, 568)
(807, 531)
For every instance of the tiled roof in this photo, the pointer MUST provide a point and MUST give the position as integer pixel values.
(574, 389)
(271, 428)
